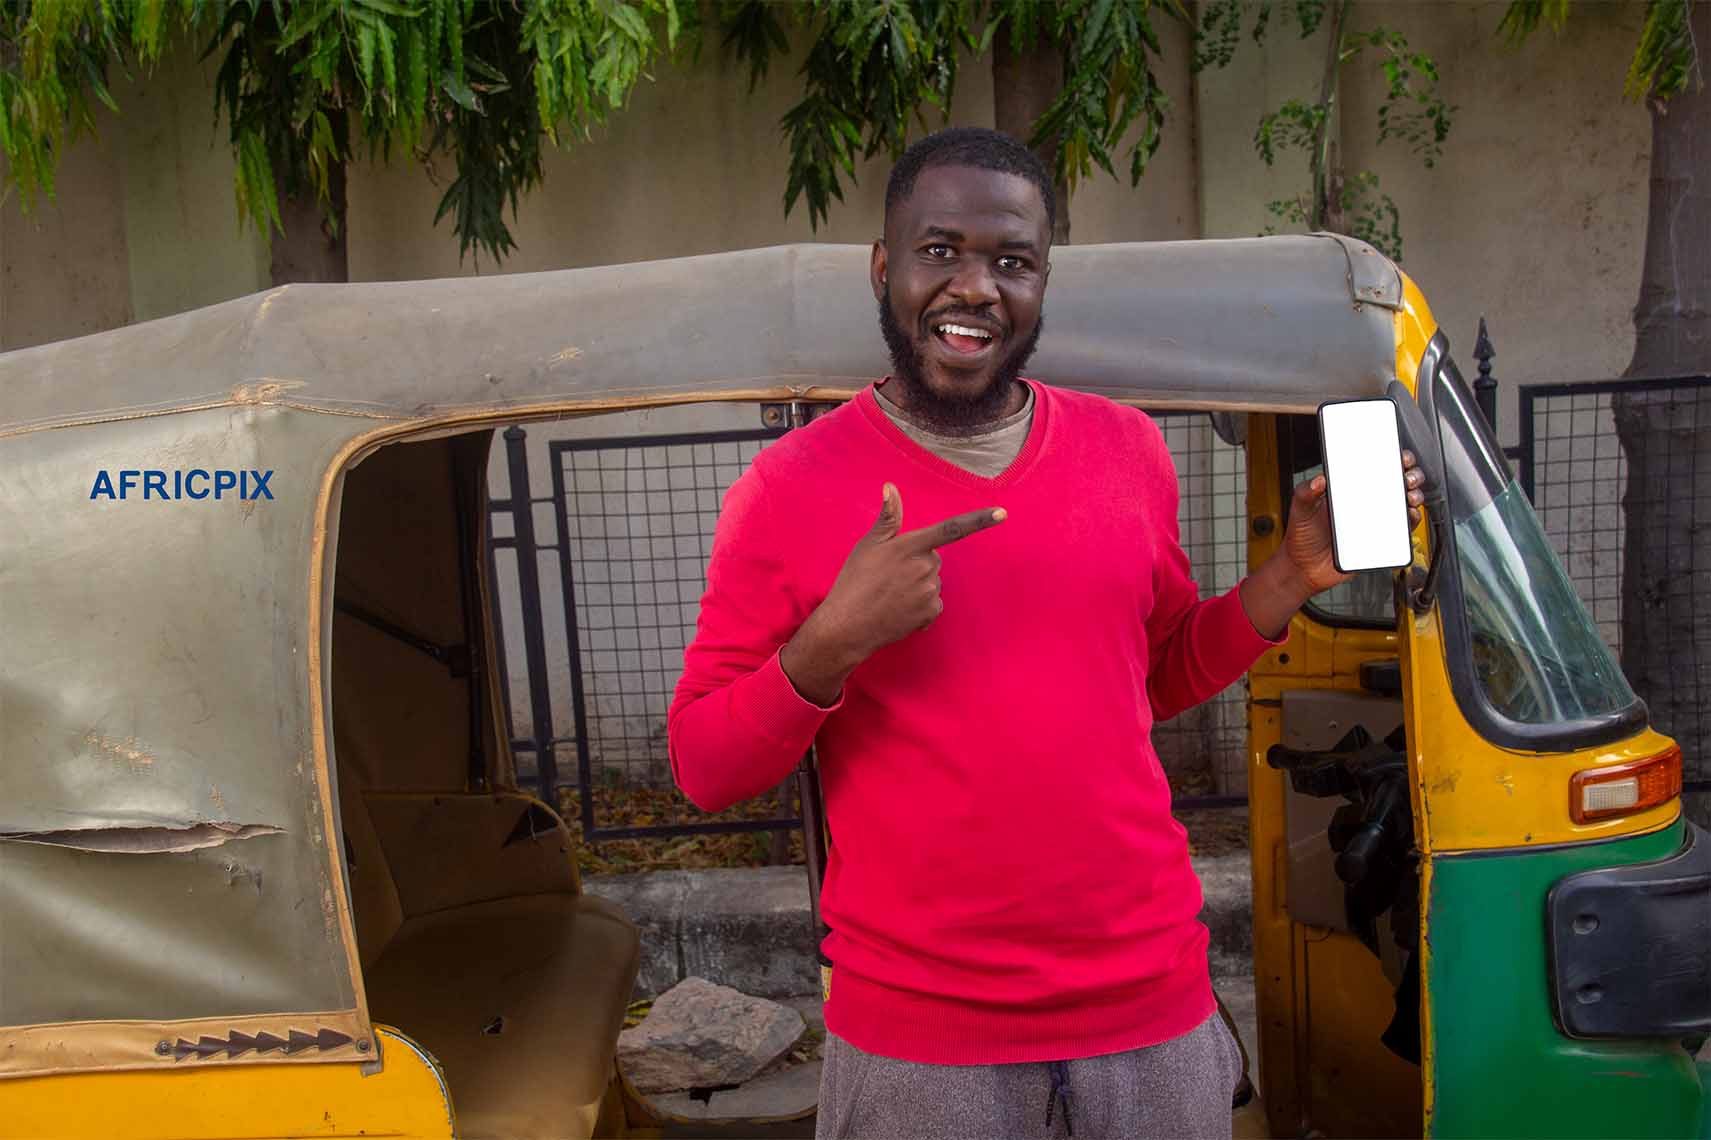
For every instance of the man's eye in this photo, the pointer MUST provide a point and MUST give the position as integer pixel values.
(938, 251)
(1012, 264)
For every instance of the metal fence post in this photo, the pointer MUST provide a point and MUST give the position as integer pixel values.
(529, 589)
(1484, 387)
(1526, 455)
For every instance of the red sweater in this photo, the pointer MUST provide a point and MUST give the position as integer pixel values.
(1006, 882)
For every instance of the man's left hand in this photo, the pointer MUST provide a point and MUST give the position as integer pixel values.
(1307, 542)
(1303, 565)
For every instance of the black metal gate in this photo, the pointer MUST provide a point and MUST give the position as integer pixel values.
(1571, 464)
(627, 527)
(632, 524)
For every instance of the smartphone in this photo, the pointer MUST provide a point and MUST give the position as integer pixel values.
(1366, 495)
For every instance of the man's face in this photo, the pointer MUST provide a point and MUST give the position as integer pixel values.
(966, 249)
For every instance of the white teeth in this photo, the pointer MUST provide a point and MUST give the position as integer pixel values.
(963, 330)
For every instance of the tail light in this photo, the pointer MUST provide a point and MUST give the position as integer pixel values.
(1624, 789)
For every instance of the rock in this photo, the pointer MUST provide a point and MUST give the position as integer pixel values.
(701, 1035)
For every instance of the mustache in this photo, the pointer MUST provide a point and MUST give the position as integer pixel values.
(971, 315)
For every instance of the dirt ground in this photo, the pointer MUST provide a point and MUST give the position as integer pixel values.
(1220, 831)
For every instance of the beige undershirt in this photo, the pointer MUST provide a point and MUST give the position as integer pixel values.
(987, 454)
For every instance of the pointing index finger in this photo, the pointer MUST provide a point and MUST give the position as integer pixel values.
(952, 529)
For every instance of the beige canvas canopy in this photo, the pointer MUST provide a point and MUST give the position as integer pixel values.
(172, 862)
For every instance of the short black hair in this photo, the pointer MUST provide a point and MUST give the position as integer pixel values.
(968, 146)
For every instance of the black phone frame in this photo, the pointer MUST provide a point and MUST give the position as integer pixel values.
(1330, 499)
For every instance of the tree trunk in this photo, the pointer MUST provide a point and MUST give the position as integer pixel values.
(1666, 435)
(1024, 83)
(1327, 171)
(311, 248)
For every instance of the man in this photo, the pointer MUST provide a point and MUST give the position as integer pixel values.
(1012, 907)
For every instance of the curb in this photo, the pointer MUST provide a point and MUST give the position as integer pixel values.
(749, 928)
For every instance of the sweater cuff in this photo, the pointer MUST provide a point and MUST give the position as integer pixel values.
(1232, 621)
(771, 704)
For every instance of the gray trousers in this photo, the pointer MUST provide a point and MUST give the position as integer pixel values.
(1176, 1089)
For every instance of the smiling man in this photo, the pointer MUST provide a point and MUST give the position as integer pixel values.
(1012, 910)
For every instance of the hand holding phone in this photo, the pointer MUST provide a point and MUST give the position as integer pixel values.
(1365, 490)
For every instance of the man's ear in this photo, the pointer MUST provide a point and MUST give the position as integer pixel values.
(876, 270)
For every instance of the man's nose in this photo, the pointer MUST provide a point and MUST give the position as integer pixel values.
(974, 285)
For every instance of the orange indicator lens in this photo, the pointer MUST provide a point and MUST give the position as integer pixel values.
(1623, 789)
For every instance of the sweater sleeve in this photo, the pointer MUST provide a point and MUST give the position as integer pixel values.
(1197, 647)
(737, 726)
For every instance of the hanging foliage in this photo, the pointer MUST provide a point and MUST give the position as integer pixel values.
(1411, 112)
(874, 68)
(301, 82)
(1664, 59)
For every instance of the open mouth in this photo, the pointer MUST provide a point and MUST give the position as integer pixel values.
(964, 340)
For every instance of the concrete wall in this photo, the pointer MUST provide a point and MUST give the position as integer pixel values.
(1534, 216)
(696, 164)
(185, 246)
(63, 264)
(143, 224)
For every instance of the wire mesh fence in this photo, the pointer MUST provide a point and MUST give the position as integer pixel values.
(1598, 458)
(1204, 749)
(628, 528)
(639, 518)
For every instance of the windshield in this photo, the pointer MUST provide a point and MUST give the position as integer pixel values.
(1536, 653)
(1525, 640)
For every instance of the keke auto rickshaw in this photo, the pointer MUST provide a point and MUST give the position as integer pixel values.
(266, 868)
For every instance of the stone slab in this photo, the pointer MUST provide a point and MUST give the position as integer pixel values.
(749, 928)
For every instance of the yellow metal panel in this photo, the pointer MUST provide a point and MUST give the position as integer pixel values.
(1274, 935)
(1478, 796)
(406, 1097)
(1322, 998)
(1471, 794)
(1358, 1087)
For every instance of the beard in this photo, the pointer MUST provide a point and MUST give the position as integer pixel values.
(950, 415)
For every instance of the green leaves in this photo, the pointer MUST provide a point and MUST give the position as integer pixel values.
(1665, 57)
(292, 73)
(1412, 110)
(1365, 211)
(1219, 32)
(1523, 17)
(1663, 61)
(753, 32)
(1295, 125)
(1108, 85)
(875, 67)
(54, 60)
(1371, 215)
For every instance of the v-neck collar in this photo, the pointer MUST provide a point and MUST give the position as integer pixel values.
(868, 401)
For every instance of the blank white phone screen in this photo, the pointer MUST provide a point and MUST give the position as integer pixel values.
(1363, 469)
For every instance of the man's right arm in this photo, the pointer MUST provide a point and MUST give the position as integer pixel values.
(737, 725)
(764, 670)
